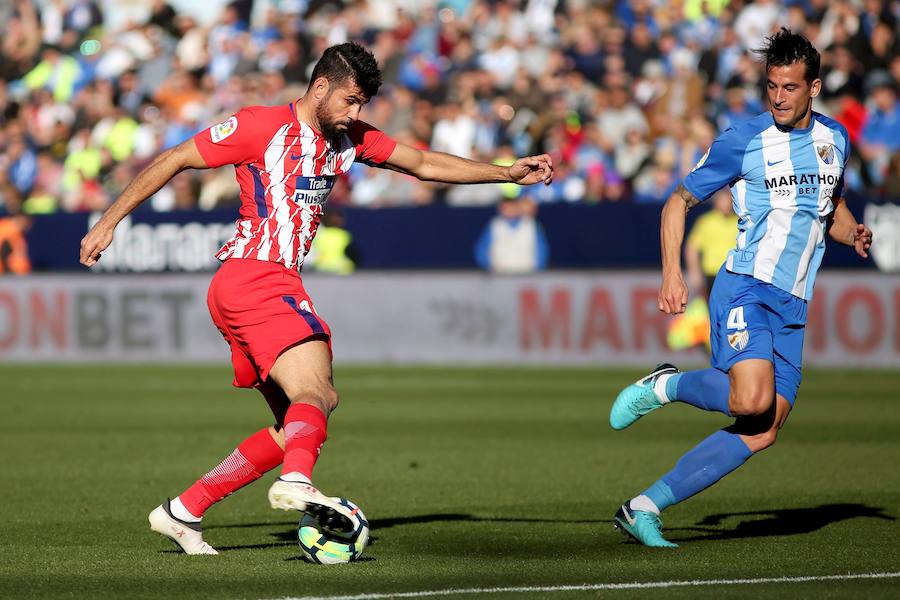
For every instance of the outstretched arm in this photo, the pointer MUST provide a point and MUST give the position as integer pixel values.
(163, 168)
(843, 228)
(673, 292)
(447, 168)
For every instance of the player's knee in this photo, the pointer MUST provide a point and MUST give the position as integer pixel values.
(324, 396)
(327, 399)
(758, 431)
(750, 403)
(330, 399)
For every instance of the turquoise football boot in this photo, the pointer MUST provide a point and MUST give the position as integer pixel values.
(642, 526)
(638, 399)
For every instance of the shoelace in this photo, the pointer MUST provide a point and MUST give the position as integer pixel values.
(645, 405)
(654, 520)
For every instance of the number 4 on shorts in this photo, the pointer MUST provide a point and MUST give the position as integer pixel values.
(736, 318)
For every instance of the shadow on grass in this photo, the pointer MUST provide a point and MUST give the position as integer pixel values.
(287, 534)
(251, 525)
(375, 524)
(752, 524)
(777, 522)
(385, 523)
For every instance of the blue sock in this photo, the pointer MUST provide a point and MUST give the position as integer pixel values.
(706, 389)
(706, 463)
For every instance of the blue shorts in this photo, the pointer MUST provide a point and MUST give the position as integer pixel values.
(750, 318)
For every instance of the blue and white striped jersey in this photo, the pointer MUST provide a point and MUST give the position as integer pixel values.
(783, 182)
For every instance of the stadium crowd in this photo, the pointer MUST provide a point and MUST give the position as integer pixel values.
(626, 95)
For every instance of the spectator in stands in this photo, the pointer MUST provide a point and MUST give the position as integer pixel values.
(657, 181)
(10, 198)
(22, 163)
(640, 49)
(56, 72)
(13, 248)
(739, 106)
(684, 95)
(521, 71)
(513, 242)
(622, 116)
(842, 76)
(755, 21)
(881, 134)
(45, 193)
(891, 188)
(454, 132)
(884, 44)
(333, 250)
(711, 237)
(21, 40)
(632, 153)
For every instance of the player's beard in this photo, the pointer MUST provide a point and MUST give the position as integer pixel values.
(329, 127)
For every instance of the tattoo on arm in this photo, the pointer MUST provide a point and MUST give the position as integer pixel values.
(690, 200)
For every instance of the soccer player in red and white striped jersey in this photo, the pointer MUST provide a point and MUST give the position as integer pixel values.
(286, 159)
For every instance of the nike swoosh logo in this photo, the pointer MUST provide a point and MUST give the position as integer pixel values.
(295, 157)
(768, 162)
(628, 517)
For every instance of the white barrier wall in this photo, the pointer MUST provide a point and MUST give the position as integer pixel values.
(600, 318)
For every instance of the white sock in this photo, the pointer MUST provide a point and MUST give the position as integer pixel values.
(644, 503)
(179, 511)
(659, 388)
(296, 477)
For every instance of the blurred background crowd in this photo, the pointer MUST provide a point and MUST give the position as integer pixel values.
(625, 94)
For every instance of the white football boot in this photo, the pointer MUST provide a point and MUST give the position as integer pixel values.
(296, 495)
(187, 535)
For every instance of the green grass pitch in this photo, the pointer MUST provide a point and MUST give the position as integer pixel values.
(471, 478)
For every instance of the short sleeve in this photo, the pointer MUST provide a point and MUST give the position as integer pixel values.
(235, 141)
(373, 146)
(720, 166)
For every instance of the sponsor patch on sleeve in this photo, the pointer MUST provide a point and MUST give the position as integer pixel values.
(223, 130)
(739, 339)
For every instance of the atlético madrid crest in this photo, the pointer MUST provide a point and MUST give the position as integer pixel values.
(826, 153)
(739, 339)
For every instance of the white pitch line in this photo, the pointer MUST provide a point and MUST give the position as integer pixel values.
(603, 586)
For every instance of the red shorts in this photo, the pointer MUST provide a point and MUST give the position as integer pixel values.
(262, 310)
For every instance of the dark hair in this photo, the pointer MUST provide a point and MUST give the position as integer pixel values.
(349, 61)
(786, 48)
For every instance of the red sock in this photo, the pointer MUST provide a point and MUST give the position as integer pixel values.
(254, 456)
(304, 433)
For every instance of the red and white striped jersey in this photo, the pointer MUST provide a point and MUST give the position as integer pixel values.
(285, 170)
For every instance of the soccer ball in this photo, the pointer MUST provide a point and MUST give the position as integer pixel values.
(333, 547)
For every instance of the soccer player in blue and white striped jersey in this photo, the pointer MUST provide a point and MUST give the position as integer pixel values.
(785, 170)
